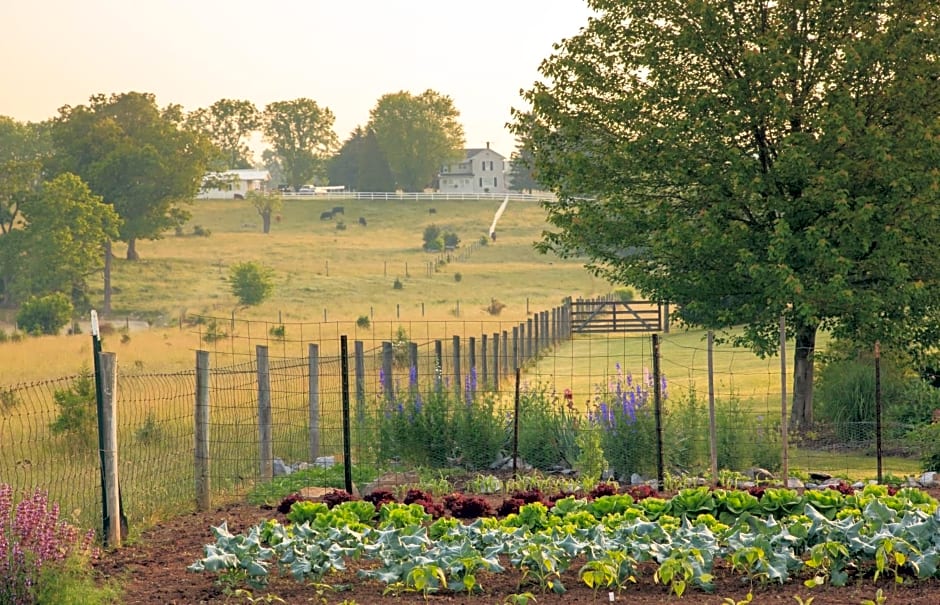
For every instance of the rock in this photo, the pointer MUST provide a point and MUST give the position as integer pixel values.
(759, 474)
(636, 479)
(795, 483)
(279, 468)
(858, 485)
(912, 482)
(325, 462)
(929, 479)
(818, 477)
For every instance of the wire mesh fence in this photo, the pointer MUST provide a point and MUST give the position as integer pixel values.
(441, 395)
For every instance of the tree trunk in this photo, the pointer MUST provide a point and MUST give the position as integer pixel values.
(132, 249)
(106, 305)
(266, 221)
(801, 417)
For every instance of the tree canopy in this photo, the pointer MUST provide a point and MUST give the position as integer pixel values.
(360, 164)
(301, 135)
(228, 123)
(417, 134)
(138, 157)
(752, 160)
(60, 245)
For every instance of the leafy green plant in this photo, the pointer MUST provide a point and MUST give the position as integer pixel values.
(522, 598)
(485, 484)
(213, 332)
(305, 511)
(251, 282)
(45, 314)
(828, 560)
(150, 432)
(77, 414)
(614, 568)
(678, 570)
(590, 462)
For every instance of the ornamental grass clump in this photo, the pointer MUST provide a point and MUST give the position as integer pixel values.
(32, 540)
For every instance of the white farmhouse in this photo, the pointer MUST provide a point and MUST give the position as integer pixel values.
(481, 171)
(233, 184)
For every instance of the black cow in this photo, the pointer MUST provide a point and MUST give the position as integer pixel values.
(432, 210)
(362, 221)
(326, 216)
(339, 210)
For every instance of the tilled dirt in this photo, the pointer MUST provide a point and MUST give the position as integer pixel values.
(153, 571)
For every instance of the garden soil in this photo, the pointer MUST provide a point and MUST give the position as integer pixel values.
(152, 571)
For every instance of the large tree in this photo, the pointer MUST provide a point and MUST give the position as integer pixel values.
(301, 134)
(360, 164)
(229, 123)
(752, 160)
(418, 134)
(521, 177)
(138, 157)
(23, 147)
(59, 246)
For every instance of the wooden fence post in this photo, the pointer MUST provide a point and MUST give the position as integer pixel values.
(472, 364)
(505, 349)
(483, 352)
(360, 371)
(265, 436)
(203, 485)
(515, 347)
(108, 363)
(313, 387)
(458, 382)
(388, 359)
(496, 364)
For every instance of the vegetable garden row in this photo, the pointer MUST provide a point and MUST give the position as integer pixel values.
(770, 535)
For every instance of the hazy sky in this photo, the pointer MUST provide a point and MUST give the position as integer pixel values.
(344, 54)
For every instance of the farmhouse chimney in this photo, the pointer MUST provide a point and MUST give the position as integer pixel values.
(487, 144)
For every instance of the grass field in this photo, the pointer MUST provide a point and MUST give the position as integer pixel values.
(322, 274)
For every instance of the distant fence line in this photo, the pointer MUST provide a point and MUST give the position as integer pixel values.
(188, 437)
(514, 196)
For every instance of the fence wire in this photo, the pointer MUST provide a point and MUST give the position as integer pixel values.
(425, 394)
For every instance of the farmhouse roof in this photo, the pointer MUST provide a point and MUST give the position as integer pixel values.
(472, 151)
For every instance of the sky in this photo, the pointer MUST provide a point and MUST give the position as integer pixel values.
(343, 54)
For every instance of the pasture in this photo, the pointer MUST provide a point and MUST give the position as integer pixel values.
(322, 275)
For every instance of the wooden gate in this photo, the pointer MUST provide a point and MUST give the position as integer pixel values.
(603, 316)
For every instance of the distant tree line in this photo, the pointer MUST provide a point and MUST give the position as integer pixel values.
(120, 168)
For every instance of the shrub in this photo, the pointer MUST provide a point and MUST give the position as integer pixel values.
(434, 428)
(433, 239)
(46, 314)
(340, 226)
(363, 322)
(77, 416)
(251, 283)
(547, 429)
(926, 440)
(277, 332)
(451, 240)
(397, 285)
(200, 231)
(33, 540)
(458, 277)
(213, 332)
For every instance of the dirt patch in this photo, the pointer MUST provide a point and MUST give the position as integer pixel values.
(153, 572)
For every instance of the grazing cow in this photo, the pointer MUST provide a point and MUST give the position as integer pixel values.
(362, 221)
(339, 210)
(325, 216)
(432, 210)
